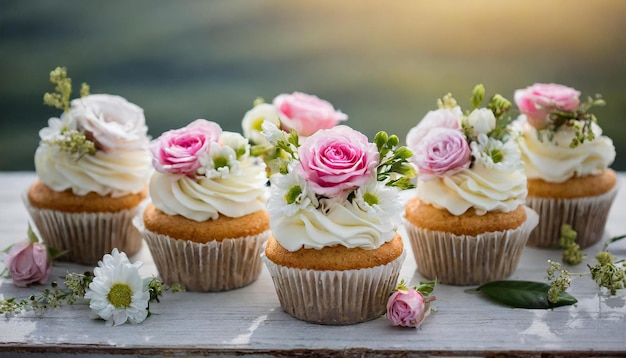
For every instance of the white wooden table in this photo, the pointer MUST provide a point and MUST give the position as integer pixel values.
(250, 320)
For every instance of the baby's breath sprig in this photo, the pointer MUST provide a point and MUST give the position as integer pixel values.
(73, 141)
(60, 98)
(572, 254)
(606, 273)
(574, 118)
(394, 167)
(560, 280)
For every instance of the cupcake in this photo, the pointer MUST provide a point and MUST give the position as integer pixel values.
(93, 166)
(567, 163)
(468, 223)
(207, 220)
(335, 253)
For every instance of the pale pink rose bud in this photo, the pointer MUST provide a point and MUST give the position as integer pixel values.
(178, 151)
(407, 308)
(337, 159)
(443, 151)
(28, 263)
(540, 99)
(306, 113)
(110, 121)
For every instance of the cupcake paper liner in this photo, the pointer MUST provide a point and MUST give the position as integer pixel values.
(206, 267)
(86, 236)
(469, 260)
(335, 297)
(587, 216)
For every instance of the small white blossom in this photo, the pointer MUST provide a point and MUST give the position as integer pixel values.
(55, 126)
(272, 133)
(117, 293)
(289, 194)
(237, 142)
(223, 162)
(495, 154)
(253, 120)
(482, 121)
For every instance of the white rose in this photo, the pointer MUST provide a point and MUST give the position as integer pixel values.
(253, 121)
(482, 121)
(111, 122)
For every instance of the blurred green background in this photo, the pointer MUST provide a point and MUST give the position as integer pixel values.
(384, 63)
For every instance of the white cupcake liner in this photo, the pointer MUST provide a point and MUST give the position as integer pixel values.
(86, 236)
(335, 297)
(586, 215)
(469, 260)
(206, 267)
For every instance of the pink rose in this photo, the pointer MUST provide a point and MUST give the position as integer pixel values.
(336, 159)
(28, 263)
(444, 117)
(111, 122)
(306, 113)
(540, 99)
(407, 308)
(443, 151)
(178, 151)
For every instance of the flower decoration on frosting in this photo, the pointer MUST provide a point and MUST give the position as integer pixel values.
(93, 122)
(337, 187)
(447, 141)
(201, 149)
(468, 159)
(549, 106)
(301, 112)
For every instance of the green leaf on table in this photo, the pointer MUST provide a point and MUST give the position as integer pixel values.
(524, 294)
(612, 240)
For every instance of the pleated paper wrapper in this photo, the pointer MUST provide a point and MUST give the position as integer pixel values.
(86, 236)
(206, 267)
(588, 216)
(334, 297)
(469, 260)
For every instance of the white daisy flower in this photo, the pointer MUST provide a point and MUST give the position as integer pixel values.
(223, 162)
(117, 293)
(289, 193)
(492, 153)
(377, 199)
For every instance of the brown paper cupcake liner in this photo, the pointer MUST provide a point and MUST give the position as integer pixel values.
(588, 216)
(206, 267)
(469, 260)
(335, 297)
(86, 236)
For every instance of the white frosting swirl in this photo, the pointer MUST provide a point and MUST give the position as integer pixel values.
(482, 187)
(204, 199)
(114, 173)
(554, 160)
(353, 224)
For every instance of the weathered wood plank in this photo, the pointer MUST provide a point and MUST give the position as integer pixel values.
(249, 320)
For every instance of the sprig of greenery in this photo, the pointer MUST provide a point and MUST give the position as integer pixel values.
(572, 254)
(75, 286)
(394, 167)
(574, 118)
(74, 142)
(60, 98)
(607, 273)
(425, 288)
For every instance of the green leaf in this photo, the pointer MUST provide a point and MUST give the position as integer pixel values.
(524, 294)
(612, 240)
